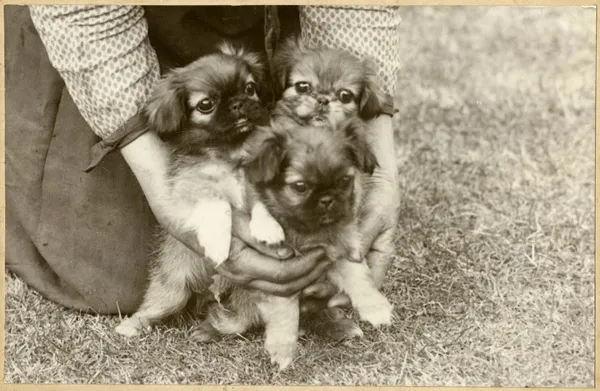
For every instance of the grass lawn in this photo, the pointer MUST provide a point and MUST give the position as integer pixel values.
(493, 279)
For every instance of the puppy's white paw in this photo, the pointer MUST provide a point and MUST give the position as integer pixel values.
(130, 327)
(215, 248)
(281, 351)
(264, 228)
(377, 311)
(211, 219)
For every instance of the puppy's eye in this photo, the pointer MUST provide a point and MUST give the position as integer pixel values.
(299, 187)
(251, 88)
(345, 180)
(206, 106)
(303, 87)
(345, 96)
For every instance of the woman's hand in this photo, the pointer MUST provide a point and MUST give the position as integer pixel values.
(250, 264)
(266, 268)
(378, 224)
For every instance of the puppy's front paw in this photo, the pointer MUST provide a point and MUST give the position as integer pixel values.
(130, 327)
(377, 311)
(281, 351)
(212, 222)
(216, 248)
(266, 230)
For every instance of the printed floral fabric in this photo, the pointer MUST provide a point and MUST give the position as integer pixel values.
(104, 55)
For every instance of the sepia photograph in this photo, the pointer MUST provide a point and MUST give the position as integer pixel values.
(300, 195)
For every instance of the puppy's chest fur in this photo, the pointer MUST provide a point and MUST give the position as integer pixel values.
(211, 173)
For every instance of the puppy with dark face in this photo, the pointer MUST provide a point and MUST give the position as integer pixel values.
(213, 102)
(205, 113)
(310, 180)
(316, 189)
(320, 86)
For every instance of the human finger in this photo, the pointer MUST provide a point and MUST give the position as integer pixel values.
(248, 264)
(289, 288)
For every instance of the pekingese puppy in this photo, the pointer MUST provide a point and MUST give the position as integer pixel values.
(205, 113)
(318, 86)
(323, 87)
(310, 180)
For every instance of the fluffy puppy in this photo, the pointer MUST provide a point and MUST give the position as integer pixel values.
(324, 87)
(204, 112)
(310, 180)
(320, 85)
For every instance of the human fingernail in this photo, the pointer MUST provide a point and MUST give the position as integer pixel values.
(284, 252)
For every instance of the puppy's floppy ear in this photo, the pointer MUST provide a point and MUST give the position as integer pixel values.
(166, 110)
(286, 55)
(372, 97)
(358, 147)
(266, 148)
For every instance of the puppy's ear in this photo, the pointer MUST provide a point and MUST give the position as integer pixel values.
(372, 97)
(267, 153)
(286, 55)
(166, 110)
(358, 147)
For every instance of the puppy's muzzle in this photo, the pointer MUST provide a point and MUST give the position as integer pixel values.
(326, 202)
(243, 107)
(236, 106)
(323, 101)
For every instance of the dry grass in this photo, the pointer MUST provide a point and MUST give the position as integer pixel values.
(493, 282)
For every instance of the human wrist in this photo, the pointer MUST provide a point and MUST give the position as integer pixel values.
(380, 136)
(147, 156)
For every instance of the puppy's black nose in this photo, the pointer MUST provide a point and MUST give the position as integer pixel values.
(323, 101)
(325, 202)
(235, 106)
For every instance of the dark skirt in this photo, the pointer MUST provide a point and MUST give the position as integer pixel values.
(84, 240)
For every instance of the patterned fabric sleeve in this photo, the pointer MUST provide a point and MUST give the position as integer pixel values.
(104, 56)
(366, 31)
